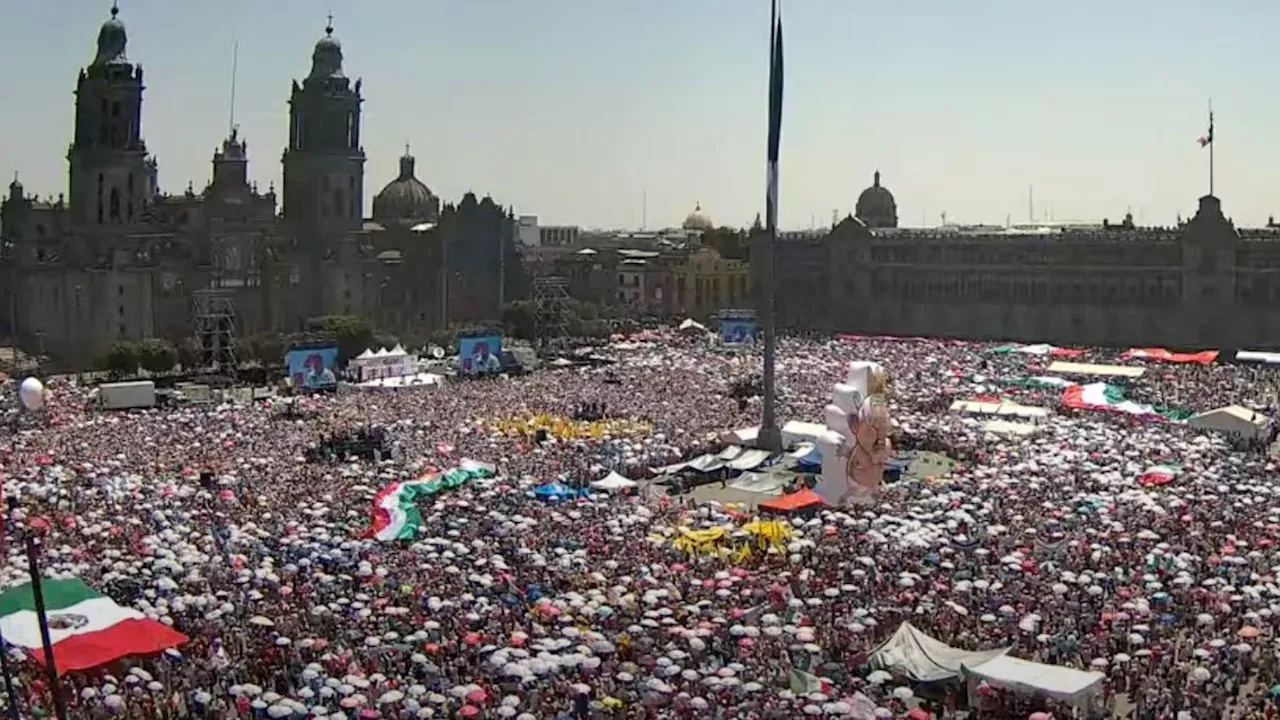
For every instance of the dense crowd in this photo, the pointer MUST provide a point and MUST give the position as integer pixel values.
(512, 607)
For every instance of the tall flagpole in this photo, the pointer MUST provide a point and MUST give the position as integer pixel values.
(51, 668)
(1211, 148)
(769, 438)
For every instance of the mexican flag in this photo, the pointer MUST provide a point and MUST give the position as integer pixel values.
(395, 509)
(1109, 398)
(86, 628)
(803, 683)
(1158, 475)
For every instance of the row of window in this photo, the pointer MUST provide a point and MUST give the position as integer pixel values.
(924, 288)
(1149, 255)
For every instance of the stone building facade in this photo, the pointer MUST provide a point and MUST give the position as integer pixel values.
(116, 259)
(1204, 283)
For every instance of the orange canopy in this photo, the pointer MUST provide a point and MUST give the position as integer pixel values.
(795, 501)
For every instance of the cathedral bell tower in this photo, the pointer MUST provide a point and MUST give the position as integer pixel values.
(110, 175)
(324, 163)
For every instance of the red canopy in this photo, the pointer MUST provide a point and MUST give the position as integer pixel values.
(795, 501)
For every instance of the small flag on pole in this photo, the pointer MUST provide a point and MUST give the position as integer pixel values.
(1207, 139)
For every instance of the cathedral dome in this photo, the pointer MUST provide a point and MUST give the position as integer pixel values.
(406, 200)
(876, 207)
(326, 59)
(112, 40)
(697, 220)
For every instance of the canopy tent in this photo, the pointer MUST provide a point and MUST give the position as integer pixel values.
(1071, 368)
(1003, 408)
(794, 432)
(691, 325)
(794, 502)
(1258, 356)
(1075, 687)
(766, 483)
(1234, 420)
(913, 654)
(613, 482)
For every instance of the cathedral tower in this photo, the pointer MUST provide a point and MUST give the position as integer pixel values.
(324, 163)
(110, 175)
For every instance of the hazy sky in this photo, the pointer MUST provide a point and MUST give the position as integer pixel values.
(571, 109)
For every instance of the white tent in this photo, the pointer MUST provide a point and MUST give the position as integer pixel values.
(1075, 687)
(1234, 420)
(692, 325)
(913, 654)
(368, 353)
(613, 482)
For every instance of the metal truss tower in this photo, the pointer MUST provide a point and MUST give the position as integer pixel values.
(215, 324)
(550, 309)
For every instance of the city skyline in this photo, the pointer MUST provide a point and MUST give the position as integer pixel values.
(553, 111)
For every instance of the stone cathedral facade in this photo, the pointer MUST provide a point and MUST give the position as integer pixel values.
(114, 258)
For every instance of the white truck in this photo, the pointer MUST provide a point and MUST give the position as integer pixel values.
(127, 395)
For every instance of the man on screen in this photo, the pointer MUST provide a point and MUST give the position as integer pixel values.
(317, 374)
(482, 361)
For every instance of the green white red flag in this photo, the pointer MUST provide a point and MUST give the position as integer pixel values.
(86, 628)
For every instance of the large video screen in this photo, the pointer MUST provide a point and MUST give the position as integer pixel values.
(313, 368)
(737, 331)
(477, 355)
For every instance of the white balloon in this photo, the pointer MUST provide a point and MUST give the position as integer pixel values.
(32, 393)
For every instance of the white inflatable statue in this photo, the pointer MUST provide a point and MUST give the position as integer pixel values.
(856, 446)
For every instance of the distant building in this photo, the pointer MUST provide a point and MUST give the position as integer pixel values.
(876, 207)
(116, 259)
(558, 235)
(697, 220)
(527, 232)
(1204, 283)
(706, 283)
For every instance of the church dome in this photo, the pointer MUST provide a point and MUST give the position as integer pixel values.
(112, 40)
(697, 220)
(326, 59)
(406, 200)
(876, 207)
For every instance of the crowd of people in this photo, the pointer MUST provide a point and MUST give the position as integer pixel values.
(508, 606)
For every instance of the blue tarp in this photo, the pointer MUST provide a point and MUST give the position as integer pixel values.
(556, 491)
(810, 461)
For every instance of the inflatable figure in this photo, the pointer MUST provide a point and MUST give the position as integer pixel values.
(856, 445)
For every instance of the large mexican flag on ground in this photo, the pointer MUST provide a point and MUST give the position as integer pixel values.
(1109, 398)
(395, 509)
(86, 628)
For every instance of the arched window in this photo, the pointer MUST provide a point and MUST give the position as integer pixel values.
(100, 198)
(339, 203)
(115, 205)
(352, 195)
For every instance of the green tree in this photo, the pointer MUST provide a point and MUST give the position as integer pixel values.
(188, 353)
(384, 340)
(519, 318)
(121, 359)
(156, 355)
(352, 333)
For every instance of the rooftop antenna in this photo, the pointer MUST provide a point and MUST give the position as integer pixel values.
(235, 62)
(835, 217)
(1031, 204)
(644, 209)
